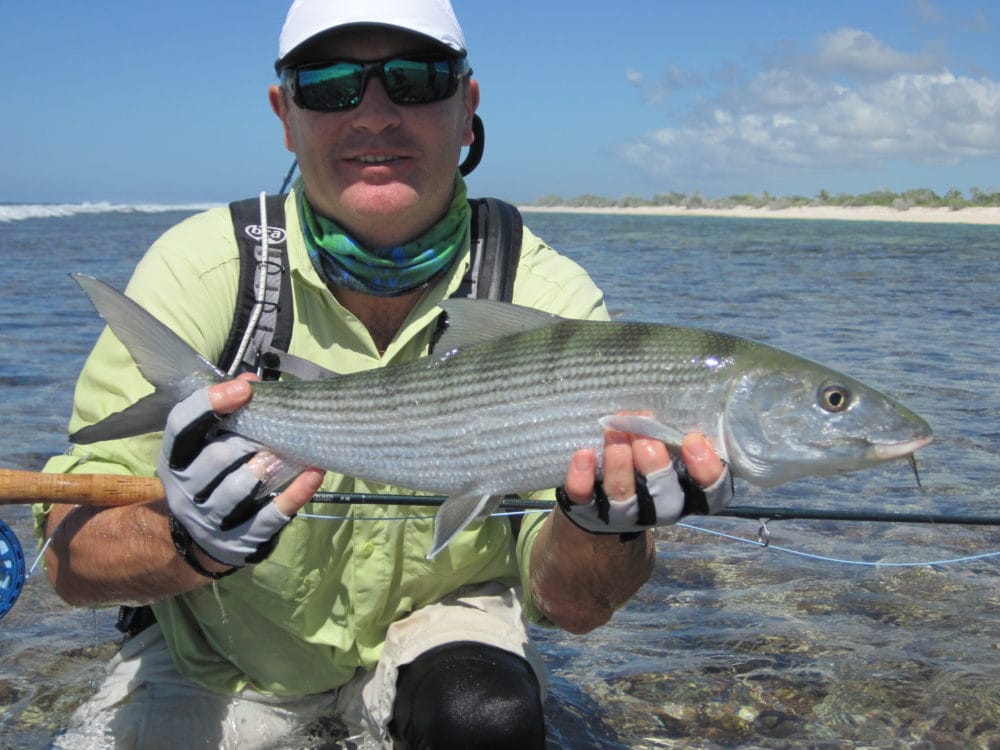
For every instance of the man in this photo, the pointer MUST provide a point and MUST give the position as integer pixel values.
(259, 634)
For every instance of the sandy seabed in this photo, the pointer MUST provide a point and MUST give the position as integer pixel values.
(975, 215)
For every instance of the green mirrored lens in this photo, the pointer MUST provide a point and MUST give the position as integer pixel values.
(417, 81)
(333, 87)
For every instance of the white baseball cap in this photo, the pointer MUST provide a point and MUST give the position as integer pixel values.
(307, 19)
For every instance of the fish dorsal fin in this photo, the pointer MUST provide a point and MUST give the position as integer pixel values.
(473, 321)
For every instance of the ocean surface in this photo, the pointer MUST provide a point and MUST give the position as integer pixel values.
(838, 635)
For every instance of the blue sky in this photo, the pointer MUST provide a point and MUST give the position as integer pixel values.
(166, 102)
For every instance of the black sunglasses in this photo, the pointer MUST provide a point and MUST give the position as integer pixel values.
(339, 85)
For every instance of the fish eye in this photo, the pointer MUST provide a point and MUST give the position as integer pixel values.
(834, 398)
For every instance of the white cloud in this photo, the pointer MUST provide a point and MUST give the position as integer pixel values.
(673, 79)
(794, 119)
(859, 53)
(785, 88)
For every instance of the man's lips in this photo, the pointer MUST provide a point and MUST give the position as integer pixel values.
(376, 158)
(371, 154)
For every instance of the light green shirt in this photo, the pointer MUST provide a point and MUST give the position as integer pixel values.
(304, 619)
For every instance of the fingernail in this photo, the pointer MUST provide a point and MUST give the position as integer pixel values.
(583, 461)
(317, 476)
(697, 448)
(236, 388)
(225, 392)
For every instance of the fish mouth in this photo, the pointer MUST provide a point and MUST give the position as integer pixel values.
(897, 450)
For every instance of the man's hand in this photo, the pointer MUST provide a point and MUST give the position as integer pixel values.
(642, 487)
(211, 482)
(124, 555)
(579, 578)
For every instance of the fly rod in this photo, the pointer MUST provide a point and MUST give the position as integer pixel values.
(107, 490)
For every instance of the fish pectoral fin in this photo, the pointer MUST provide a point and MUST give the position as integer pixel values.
(457, 512)
(645, 426)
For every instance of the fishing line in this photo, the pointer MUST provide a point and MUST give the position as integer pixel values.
(48, 541)
(503, 514)
(41, 554)
(756, 512)
(763, 541)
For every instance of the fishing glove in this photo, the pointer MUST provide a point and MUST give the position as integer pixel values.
(661, 499)
(213, 494)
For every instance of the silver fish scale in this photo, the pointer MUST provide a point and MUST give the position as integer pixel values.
(499, 417)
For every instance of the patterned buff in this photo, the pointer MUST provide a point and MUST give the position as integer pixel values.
(389, 271)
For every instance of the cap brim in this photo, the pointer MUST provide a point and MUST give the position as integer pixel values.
(313, 48)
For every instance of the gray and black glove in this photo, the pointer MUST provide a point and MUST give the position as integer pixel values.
(213, 495)
(661, 499)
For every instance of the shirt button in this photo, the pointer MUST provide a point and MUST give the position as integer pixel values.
(367, 549)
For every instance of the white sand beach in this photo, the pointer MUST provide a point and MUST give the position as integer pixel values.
(976, 215)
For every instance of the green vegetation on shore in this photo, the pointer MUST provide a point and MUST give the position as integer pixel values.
(921, 197)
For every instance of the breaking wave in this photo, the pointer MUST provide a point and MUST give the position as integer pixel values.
(21, 211)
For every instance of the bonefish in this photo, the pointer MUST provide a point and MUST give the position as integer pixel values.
(512, 392)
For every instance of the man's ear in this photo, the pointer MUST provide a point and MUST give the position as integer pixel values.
(278, 98)
(471, 105)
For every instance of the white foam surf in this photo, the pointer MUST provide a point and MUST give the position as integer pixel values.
(22, 211)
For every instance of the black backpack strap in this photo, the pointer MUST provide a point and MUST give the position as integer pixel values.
(495, 250)
(265, 311)
(272, 325)
(497, 230)
(283, 363)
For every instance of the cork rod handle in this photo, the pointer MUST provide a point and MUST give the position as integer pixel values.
(96, 490)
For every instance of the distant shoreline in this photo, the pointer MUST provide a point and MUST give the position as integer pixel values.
(982, 215)
(971, 215)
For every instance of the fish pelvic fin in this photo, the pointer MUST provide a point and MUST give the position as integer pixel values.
(645, 426)
(167, 361)
(457, 512)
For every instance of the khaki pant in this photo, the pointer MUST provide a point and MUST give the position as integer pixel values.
(146, 704)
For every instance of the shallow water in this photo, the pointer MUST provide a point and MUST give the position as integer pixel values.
(730, 645)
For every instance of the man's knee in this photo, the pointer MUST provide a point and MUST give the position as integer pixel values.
(468, 695)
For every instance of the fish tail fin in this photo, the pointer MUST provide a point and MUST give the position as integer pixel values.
(457, 512)
(164, 359)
